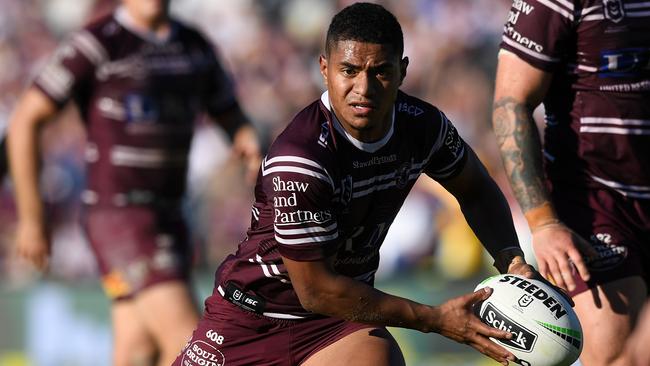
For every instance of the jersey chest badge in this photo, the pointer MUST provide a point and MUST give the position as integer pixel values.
(614, 10)
(402, 175)
(346, 190)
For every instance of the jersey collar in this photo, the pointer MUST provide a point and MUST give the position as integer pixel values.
(370, 147)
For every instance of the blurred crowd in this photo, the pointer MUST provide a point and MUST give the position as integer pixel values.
(271, 47)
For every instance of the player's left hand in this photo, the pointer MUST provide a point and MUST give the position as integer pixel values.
(246, 146)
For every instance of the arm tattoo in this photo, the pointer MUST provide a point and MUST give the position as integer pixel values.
(521, 151)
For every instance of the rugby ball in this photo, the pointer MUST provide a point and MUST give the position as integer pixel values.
(545, 329)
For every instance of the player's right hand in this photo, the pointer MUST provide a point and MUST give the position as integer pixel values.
(559, 252)
(33, 244)
(458, 322)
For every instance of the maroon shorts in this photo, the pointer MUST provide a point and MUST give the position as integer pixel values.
(137, 246)
(232, 336)
(616, 226)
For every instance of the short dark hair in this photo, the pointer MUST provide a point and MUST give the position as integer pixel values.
(365, 22)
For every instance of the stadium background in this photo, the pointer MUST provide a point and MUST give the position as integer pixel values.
(271, 47)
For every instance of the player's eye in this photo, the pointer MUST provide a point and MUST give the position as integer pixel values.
(383, 73)
(349, 72)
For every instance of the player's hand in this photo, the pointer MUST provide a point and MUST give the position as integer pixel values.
(458, 322)
(519, 267)
(637, 352)
(559, 252)
(246, 146)
(33, 244)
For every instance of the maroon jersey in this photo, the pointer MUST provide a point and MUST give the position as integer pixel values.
(322, 193)
(597, 109)
(139, 96)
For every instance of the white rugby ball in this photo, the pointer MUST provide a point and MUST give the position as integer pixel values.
(545, 329)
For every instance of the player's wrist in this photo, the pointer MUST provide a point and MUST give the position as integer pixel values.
(541, 216)
(508, 257)
(432, 321)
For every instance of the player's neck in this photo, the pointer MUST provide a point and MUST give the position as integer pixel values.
(157, 25)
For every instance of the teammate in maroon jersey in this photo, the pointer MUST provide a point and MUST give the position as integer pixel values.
(299, 289)
(588, 62)
(139, 79)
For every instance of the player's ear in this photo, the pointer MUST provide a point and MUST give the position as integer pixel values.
(323, 67)
(403, 65)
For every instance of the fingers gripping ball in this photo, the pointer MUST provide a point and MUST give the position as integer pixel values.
(545, 329)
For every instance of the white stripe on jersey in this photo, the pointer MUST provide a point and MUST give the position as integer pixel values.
(309, 239)
(256, 213)
(309, 230)
(586, 11)
(565, 13)
(645, 4)
(637, 14)
(146, 158)
(56, 80)
(629, 12)
(436, 146)
(530, 52)
(615, 130)
(293, 159)
(443, 173)
(572, 68)
(374, 179)
(567, 4)
(627, 190)
(85, 42)
(294, 169)
(441, 134)
(282, 316)
(615, 121)
(593, 17)
(265, 268)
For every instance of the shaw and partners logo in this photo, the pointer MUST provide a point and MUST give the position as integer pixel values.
(522, 338)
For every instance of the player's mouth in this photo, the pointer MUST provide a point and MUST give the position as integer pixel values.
(362, 108)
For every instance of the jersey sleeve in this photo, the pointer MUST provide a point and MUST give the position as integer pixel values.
(72, 65)
(537, 31)
(301, 192)
(448, 154)
(220, 91)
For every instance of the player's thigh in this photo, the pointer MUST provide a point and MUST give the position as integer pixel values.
(132, 342)
(368, 346)
(607, 314)
(169, 312)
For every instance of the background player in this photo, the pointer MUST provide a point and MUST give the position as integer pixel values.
(139, 79)
(299, 290)
(587, 61)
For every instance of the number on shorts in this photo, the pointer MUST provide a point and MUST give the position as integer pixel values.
(214, 336)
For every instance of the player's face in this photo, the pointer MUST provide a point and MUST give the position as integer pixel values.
(148, 10)
(362, 80)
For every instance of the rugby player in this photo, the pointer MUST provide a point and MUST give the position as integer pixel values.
(586, 191)
(139, 78)
(299, 289)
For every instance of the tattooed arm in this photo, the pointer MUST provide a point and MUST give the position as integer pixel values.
(519, 89)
